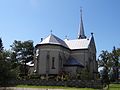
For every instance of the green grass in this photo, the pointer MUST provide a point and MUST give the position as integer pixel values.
(112, 87)
(29, 86)
(54, 87)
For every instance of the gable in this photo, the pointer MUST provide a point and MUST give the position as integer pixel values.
(92, 45)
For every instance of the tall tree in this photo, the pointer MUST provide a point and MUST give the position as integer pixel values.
(103, 59)
(115, 58)
(104, 62)
(22, 53)
(5, 65)
(111, 61)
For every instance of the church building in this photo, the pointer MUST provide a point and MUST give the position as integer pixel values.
(78, 56)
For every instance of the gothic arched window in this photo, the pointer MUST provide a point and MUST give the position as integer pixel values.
(53, 62)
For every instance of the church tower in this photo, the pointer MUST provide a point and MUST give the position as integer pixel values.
(81, 34)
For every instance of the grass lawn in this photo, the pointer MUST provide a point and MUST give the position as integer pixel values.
(55, 87)
(112, 87)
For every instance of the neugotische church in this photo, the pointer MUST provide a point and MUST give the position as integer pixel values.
(78, 56)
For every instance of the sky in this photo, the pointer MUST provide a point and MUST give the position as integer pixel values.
(34, 19)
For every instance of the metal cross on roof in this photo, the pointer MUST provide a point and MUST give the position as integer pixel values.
(51, 31)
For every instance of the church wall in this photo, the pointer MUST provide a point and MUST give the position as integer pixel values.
(71, 71)
(49, 59)
(42, 62)
(63, 56)
(81, 55)
(87, 57)
(90, 64)
(53, 68)
(93, 68)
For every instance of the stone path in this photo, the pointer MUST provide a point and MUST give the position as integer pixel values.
(14, 88)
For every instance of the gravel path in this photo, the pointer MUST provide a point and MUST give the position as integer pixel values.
(14, 88)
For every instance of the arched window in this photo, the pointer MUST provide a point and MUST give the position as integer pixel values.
(53, 62)
(47, 62)
(60, 61)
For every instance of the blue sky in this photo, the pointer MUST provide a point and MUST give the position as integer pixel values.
(34, 19)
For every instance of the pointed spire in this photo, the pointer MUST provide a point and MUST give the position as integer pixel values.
(81, 34)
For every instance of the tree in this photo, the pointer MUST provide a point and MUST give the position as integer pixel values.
(3, 70)
(22, 53)
(5, 66)
(104, 62)
(111, 61)
(115, 58)
(103, 59)
(1, 45)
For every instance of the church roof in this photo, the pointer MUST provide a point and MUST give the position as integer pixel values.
(72, 62)
(78, 43)
(71, 44)
(52, 39)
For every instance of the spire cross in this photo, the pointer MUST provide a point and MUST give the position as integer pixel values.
(81, 10)
(51, 31)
